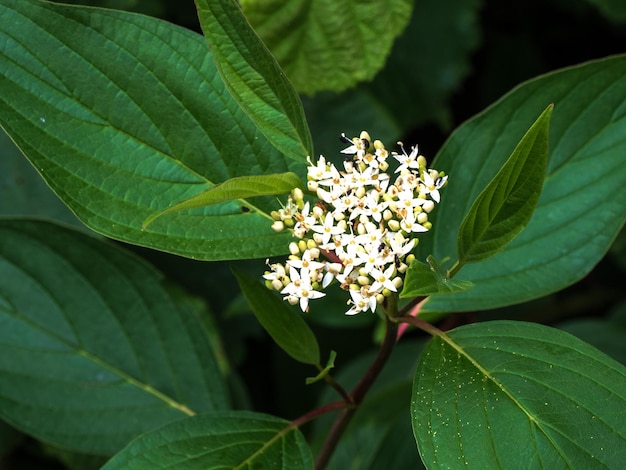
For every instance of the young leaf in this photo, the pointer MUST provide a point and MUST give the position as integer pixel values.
(424, 280)
(243, 187)
(286, 327)
(254, 78)
(492, 395)
(505, 206)
(124, 115)
(328, 44)
(93, 350)
(583, 202)
(227, 439)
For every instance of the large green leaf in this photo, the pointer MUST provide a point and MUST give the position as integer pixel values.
(229, 439)
(286, 327)
(93, 349)
(583, 203)
(23, 191)
(125, 115)
(328, 44)
(254, 78)
(504, 207)
(495, 394)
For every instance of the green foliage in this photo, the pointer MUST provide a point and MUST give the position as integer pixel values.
(328, 44)
(504, 207)
(91, 335)
(583, 201)
(227, 439)
(492, 395)
(285, 327)
(124, 116)
(166, 132)
(254, 78)
(429, 279)
(242, 187)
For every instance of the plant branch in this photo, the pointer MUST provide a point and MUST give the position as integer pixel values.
(357, 395)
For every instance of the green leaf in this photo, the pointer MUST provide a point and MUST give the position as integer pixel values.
(243, 187)
(93, 349)
(425, 279)
(583, 202)
(254, 78)
(504, 207)
(328, 44)
(229, 439)
(286, 327)
(125, 115)
(492, 395)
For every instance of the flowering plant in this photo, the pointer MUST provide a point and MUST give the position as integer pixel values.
(391, 333)
(365, 224)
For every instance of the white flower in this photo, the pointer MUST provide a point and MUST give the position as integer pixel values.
(300, 288)
(409, 224)
(361, 301)
(327, 229)
(382, 279)
(407, 161)
(433, 184)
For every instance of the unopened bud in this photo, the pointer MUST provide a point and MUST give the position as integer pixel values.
(293, 249)
(393, 225)
(298, 195)
(422, 218)
(363, 280)
(312, 186)
(397, 282)
(302, 246)
(278, 226)
(428, 205)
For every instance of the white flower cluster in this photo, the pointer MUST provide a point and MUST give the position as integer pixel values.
(364, 225)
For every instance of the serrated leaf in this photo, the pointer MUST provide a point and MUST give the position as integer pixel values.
(93, 350)
(254, 78)
(583, 203)
(286, 327)
(423, 280)
(228, 439)
(243, 187)
(504, 207)
(492, 395)
(328, 44)
(125, 115)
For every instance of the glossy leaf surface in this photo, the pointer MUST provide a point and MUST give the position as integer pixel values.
(425, 280)
(284, 324)
(243, 187)
(583, 203)
(93, 348)
(125, 115)
(504, 207)
(229, 439)
(254, 78)
(492, 395)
